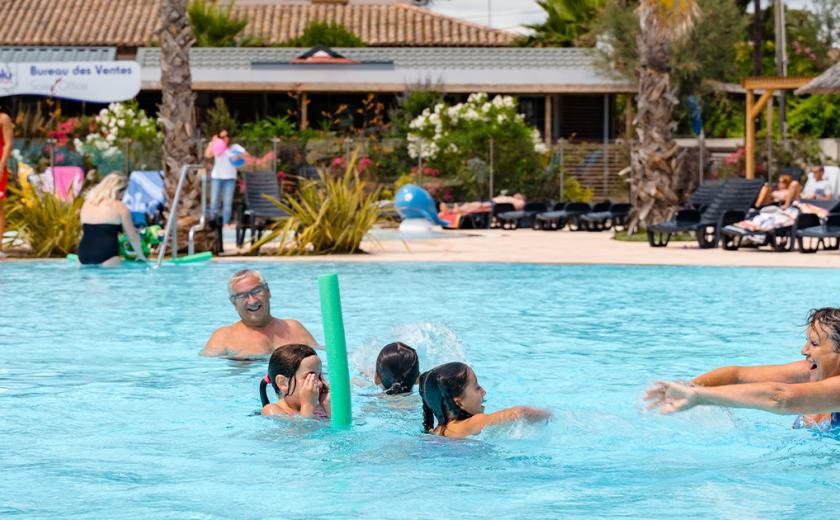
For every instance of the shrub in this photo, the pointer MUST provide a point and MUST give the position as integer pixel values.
(449, 136)
(218, 27)
(48, 224)
(325, 35)
(330, 215)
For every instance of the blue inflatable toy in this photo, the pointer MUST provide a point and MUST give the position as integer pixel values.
(413, 202)
(237, 155)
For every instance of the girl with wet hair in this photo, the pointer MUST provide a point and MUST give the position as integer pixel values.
(452, 397)
(296, 375)
(397, 368)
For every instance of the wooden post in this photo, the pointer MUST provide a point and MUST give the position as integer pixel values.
(304, 111)
(628, 117)
(548, 122)
(749, 127)
(754, 109)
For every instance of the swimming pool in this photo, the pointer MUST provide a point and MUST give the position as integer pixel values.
(106, 410)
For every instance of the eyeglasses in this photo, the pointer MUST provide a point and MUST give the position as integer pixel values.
(256, 292)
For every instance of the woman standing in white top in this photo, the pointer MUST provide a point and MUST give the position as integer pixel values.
(222, 177)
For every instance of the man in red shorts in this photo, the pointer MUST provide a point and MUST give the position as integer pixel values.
(7, 135)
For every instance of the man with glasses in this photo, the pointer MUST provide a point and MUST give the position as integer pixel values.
(258, 333)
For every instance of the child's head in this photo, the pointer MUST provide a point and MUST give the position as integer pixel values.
(397, 368)
(450, 392)
(288, 367)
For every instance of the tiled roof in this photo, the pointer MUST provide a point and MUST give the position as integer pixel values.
(404, 57)
(133, 23)
(390, 69)
(48, 54)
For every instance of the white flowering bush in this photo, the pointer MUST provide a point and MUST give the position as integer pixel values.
(105, 145)
(447, 136)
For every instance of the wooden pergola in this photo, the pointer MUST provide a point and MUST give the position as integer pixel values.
(769, 85)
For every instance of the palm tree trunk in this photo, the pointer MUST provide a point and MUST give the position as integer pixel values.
(177, 114)
(656, 158)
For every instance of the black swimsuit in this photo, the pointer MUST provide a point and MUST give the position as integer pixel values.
(99, 243)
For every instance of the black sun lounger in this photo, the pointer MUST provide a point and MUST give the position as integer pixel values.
(780, 239)
(825, 235)
(614, 217)
(730, 205)
(258, 211)
(523, 217)
(557, 219)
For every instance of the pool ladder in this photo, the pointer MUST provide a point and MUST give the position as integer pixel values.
(171, 229)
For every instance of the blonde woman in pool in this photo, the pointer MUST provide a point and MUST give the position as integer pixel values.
(103, 217)
(809, 388)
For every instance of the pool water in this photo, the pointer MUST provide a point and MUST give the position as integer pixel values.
(106, 409)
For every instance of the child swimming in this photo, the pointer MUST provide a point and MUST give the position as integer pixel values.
(295, 373)
(397, 368)
(452, 396)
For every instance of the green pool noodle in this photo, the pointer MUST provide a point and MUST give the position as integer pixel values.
(189, 259)
(336, 350)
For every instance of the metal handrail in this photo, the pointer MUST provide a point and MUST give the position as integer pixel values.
(202, 220)
(172, 223)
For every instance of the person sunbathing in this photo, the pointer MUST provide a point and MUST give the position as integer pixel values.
(809, 388)
(787, 191)
(820, 187)
(257, 333)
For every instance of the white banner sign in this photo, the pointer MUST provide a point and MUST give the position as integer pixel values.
(94, 81)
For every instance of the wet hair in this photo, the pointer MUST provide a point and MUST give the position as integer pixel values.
(828, 319)
(438, 388)
(284, 361)
(397, 367)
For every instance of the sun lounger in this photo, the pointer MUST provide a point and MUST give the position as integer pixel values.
(498, 209)
(557, 219)
(729, 206)
(780, 238)
(523, 217)
(614, 217)
(825, 235)
(258, 211)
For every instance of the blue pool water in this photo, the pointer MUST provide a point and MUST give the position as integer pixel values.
(107, 411)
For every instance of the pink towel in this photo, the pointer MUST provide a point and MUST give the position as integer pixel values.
(67, 181)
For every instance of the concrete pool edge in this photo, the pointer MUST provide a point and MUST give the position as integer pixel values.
(550, 248)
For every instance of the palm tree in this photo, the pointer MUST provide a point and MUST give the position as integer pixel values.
(657, 159)
(567, 21)
(177, 111)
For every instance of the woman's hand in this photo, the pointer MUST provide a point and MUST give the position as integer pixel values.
(671, 396)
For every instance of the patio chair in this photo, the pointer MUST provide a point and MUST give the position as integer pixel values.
(558, 218)
(523, 217)
(729, 206)
(614, 217)
(825, 235)
(258, 211)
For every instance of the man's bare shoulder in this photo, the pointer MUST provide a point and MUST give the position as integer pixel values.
(5, 120)
(217, 344)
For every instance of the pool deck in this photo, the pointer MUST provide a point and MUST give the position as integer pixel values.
(561, 247)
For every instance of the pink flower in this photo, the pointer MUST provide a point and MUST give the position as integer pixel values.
(363, 164)
(281, 174)
(338, 161)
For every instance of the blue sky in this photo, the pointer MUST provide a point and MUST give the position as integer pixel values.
(513, 14)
